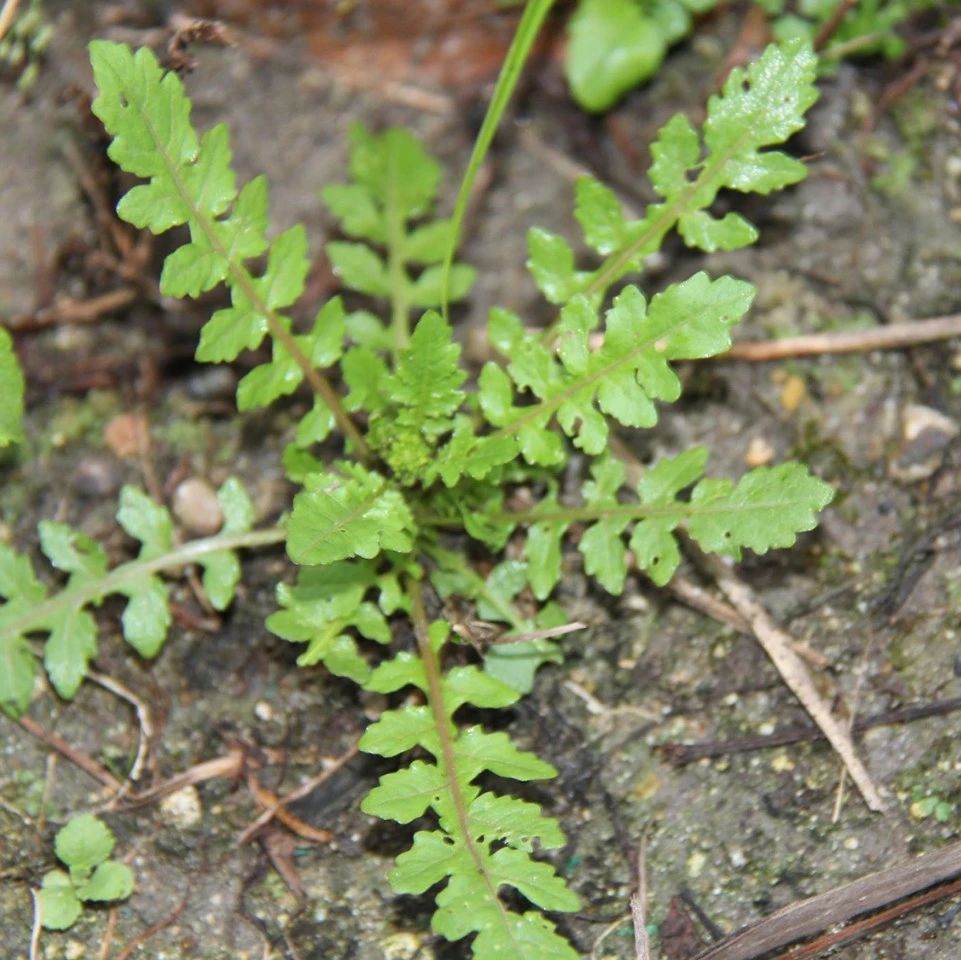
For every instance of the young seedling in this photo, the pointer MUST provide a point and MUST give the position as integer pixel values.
(430, 455)
(83, 846)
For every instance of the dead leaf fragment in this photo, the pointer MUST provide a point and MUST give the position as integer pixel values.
(126, 435)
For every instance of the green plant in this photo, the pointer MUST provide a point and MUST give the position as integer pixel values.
(83, 846)
(614, 45)
(431, 454)
(868, 27)
(927, 803)
(64, 615)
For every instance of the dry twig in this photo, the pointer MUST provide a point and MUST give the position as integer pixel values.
(642, 944)
(893, 336)
(777, 645)
(7, 15)
(77, 757)
(302, 791)
(145, 725)
(807, 917)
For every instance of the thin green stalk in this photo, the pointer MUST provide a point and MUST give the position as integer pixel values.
(589, 514)
(73, 598)
(524, 37)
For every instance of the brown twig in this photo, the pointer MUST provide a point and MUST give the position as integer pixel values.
(642, 944)
(699, 599)
(229, 766)
(270, 801)
(7, 15)
(302, 791)
(69, 310)
(152, 931)
(808, 917)
(777, 645)
(682, 753)
(108, 936)
(868, 925)
(830, 26)
(77, 757)
(893, 336)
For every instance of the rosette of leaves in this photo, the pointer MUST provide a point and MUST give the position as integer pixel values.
(433, 455)
(84, 846)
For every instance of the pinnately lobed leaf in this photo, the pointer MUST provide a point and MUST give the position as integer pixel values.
(64, 616)
(766, 508)
(622, 378)
(758, 108)
(355, 513)
(484, 841)
(191, 181)
(391, 255)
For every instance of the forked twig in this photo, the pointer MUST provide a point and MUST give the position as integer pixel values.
(145, 725)
(777, 645)
(77, 757)
(302, 791)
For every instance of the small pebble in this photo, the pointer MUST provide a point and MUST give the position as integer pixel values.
(925, 432)
(782, 763)
(183, 808)
(212, 383)
(196, 507)
(759, 453)
(96, 476)
(403, 946)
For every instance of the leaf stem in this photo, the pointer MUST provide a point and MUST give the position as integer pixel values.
(73, 598)
(448, 758)
(626, 511)
(527, 30)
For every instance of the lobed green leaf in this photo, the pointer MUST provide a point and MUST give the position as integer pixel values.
(355, 513)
